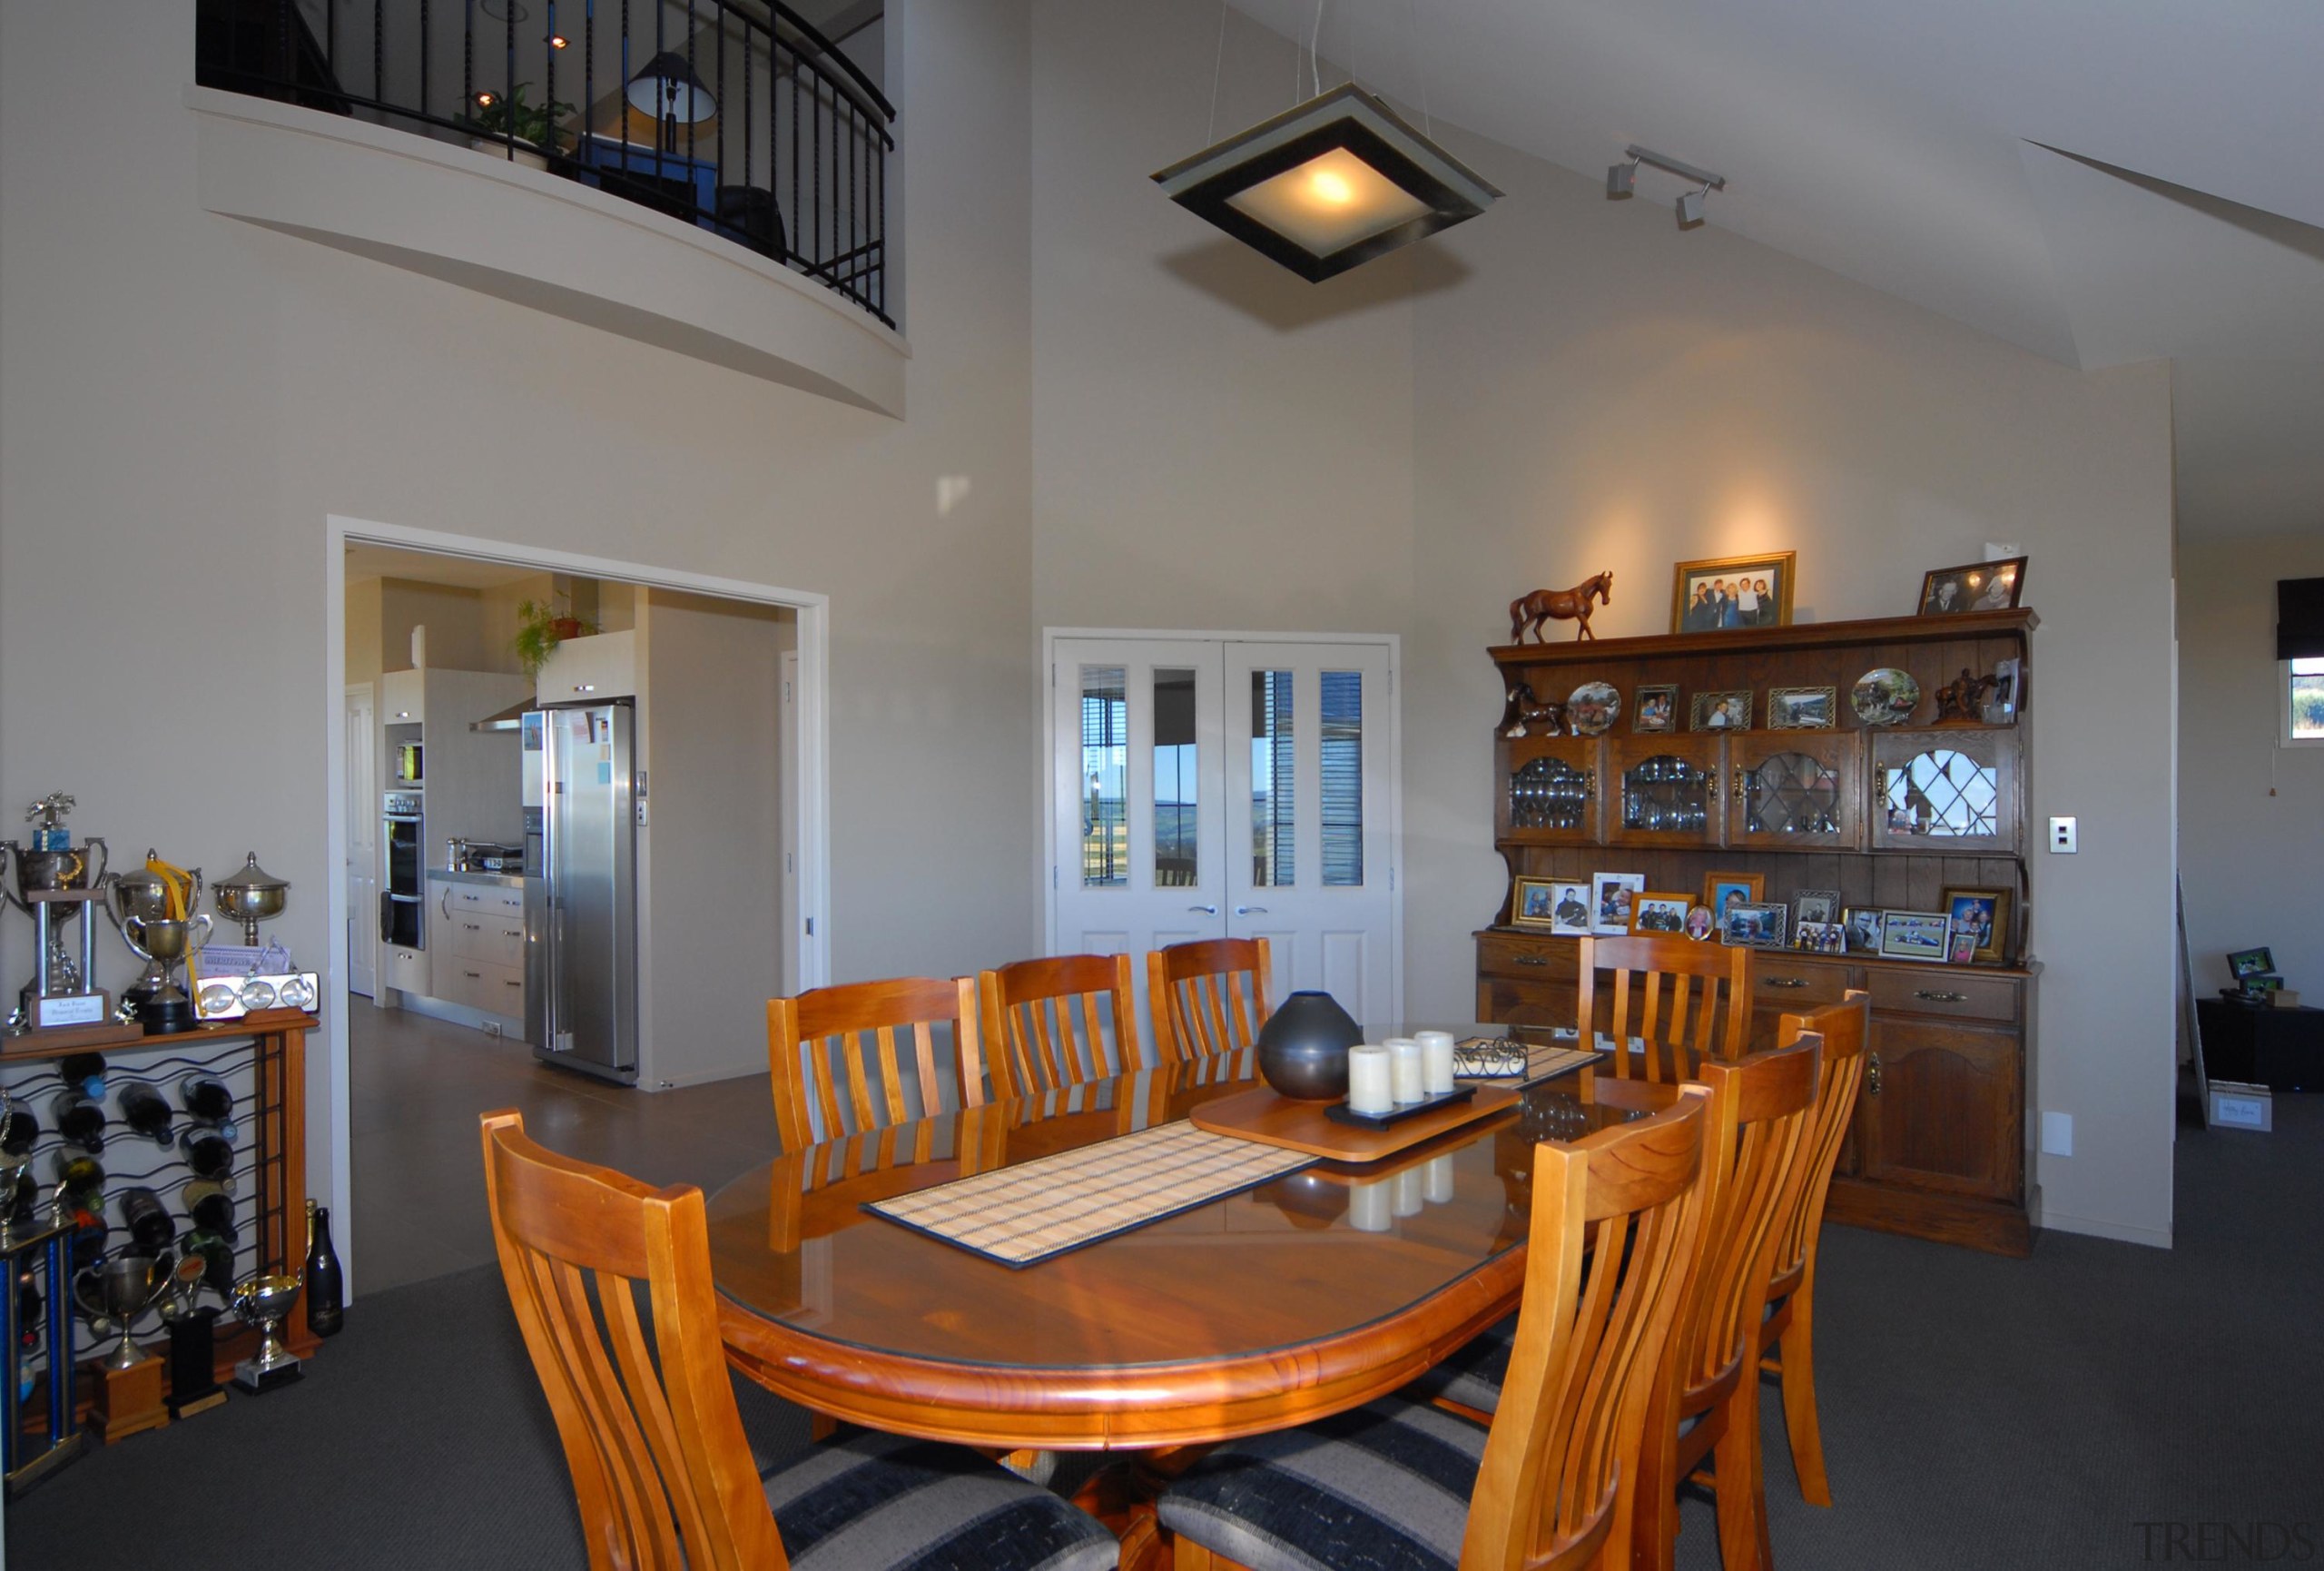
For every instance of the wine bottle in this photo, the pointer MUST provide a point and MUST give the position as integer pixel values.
(81, 1121)
(217, 1257)
(143, 1109)
(18, 1133)
(206, 1153)
(84, 1073)
(84, 1179)
(326, 1293)
(206, 1099)
(210, 1206)
(149, 1220)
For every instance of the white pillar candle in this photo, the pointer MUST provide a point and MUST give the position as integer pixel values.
(1436, 1060)
(1370, 1080)
(1408, 1192)
(1440, 1179)
(1409, 1083)
(1368, 1206)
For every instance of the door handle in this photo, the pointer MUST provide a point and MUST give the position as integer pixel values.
(443, 902)
(1872, 1075)
(1531, 958)
(1937, 997)
(1205, 910)
(1250, 910)
(1784, 980)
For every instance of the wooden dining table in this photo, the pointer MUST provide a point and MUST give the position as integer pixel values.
(1307, 1296)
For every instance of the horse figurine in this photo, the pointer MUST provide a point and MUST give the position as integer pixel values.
(1529, 611)
(1524, 710)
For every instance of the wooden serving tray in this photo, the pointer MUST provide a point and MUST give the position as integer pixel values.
(1263, 1115)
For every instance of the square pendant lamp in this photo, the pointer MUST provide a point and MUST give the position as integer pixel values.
(1328, 185)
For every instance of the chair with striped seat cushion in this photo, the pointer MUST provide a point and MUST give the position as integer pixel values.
(661, 1470)
(1402, 1486)
(1470, 1380)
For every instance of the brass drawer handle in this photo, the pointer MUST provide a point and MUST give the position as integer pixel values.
(1872, 1075)
(1531, 958)
(1935, 997)
(1784, 980)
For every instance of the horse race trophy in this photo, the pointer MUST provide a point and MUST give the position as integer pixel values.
(54, 880)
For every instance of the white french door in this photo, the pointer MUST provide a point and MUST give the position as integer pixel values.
(1212, 787)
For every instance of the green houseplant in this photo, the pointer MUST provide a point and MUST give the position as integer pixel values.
(498, 116)
(540, 629)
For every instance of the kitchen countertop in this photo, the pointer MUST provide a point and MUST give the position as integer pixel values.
(497, 880)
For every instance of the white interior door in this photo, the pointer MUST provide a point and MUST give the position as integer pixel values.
(1307, 773)
(362, 844)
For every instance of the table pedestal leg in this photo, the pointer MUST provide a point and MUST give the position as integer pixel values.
(1122, 1495)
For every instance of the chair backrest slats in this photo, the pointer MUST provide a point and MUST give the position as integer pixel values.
(827, 1044)
(1844, 1027)
(1207, 997)
(1590, 1332)
(1695, 1024)
(1030, 1041)
(662, 1473)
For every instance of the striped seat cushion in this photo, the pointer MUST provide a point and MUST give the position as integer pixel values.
(1472, 1376)
(1382, 1488)
(884, 1503)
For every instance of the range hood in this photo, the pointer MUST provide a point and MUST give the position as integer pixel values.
(509, 719)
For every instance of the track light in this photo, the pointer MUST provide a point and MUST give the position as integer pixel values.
(1621, 181)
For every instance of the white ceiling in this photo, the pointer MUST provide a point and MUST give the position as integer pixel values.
(2098, 181)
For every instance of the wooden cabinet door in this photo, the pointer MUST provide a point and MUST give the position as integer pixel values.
(1946, 793)
(1667, 791)
(1549, 791)
(1940, 1109)
(1796, 791)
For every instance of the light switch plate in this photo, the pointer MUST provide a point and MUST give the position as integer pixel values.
(2057, 1135)
(2062, 833)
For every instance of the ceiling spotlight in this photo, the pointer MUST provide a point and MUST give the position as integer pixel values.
(1690, 208)
(1621, 181)
(487, 100)
(558, 41)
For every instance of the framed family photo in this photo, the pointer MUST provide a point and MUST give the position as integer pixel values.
(1611, 897)
(1656, 709)
(1721, 890)
(1721, 711)
(1802, 709)
(1815, 904)
(1754, 925)
(1533, 901)
(1723, 594)
(1973, 587)
(1862, 925)
(1661, 915)
(1983, 915)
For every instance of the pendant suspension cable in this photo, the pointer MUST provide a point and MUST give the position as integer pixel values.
(1314, 49)
(1218, 69)
(1412, 34)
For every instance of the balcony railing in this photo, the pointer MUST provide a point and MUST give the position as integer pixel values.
(734, 116)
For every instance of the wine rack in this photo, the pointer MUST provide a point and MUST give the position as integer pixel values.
(260, 1061)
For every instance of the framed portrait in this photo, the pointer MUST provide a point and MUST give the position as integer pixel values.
(1976, 586)
(2245, 963)
(1532, 903)
(1819, 937)
(1961, 949)
(1721, 890)
(1724, 594)
(1656, 914)
(1983, 915)
(1753, 924)
(1862, 925)
(1611, 896)
(2001, 703)
(1721, 712)
(1802, 709)
(1569, 909)
(1912, 935)
(1698, 924)
(1815, 906)
(1656, 709)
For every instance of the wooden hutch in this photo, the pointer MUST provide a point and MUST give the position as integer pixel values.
(1880, 814)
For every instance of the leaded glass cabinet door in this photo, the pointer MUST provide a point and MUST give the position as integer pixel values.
(1947, 791)
(1796, 791)
(1666, 790)
(1549, 791)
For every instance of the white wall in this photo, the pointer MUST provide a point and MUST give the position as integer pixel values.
(2252, 813)
(185, 399)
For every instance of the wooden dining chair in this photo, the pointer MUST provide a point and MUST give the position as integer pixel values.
(1547, 1487)
(1206, 998)
(831, 1038)
(1667, 997)
(662, 1471)
(1706, 1405)
(1029, 1035)
(1787, 1335)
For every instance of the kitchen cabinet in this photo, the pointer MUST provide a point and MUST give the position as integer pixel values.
(479, 949)
(597, 666)
(403, 698)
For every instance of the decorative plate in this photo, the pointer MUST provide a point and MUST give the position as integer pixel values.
(1592, 708)
(1885, 696)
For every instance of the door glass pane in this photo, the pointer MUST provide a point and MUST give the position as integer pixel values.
(1272, 785)
(1105, 759)
(1174, 768)
(1342, 705)
(1667, 795)
(1548, 794)
(1791, 793)
(1943, 794)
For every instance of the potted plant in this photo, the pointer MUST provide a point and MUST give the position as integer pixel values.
(540, 629)
(500, 117)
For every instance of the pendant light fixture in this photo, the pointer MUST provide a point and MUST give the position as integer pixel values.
(1328, 185)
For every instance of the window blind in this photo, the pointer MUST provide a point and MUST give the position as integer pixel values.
(2300, 618)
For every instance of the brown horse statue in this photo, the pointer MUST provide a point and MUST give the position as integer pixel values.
(1529, 611)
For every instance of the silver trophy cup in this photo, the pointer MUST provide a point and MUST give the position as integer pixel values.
(265, 1302)
(126, 1287)
(164, 944)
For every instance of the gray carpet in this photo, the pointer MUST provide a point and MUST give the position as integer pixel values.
(1977, 1411)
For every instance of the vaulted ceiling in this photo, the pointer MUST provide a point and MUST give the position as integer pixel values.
(2098, 181)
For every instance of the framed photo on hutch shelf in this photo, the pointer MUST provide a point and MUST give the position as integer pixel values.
(1611, 897)
(1912, 935)
(1721, 890)
(1656, 709)
(1983, 915)
(1532, 903)
(1973, 587)
(1656, 914)
(1722, 594)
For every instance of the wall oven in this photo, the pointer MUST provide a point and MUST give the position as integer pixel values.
(403, 904)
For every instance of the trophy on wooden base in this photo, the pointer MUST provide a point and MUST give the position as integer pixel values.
(54, 880)
(128, 1395)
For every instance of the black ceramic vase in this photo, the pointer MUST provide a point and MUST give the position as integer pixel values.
(1303, 1047)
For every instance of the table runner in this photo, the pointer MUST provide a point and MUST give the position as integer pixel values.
(1542, 1060)
(1025, 1214)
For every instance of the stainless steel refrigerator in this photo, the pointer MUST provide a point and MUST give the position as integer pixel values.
(581, 911)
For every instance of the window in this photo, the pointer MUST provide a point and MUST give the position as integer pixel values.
(2303, 681)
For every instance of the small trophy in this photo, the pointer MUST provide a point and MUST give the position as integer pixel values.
(193, 1342)
(164, 944)
(128, 1397)
(265, 1301)
(249, 897)
(145, 894)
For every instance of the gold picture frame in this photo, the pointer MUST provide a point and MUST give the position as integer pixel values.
(1986, 913)
(1753, 889)
(1763, 599)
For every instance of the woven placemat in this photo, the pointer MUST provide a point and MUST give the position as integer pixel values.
(1035, 1211)
(1543, 1061)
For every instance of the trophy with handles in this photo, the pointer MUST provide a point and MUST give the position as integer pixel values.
(49, 879)
(154, 912)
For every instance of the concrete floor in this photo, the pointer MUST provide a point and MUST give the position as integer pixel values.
(419, 1085)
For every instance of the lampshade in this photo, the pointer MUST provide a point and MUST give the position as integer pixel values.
(1328, 185)
(667, 89)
